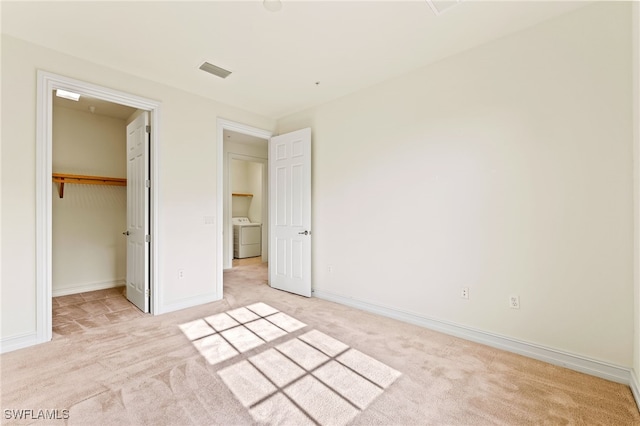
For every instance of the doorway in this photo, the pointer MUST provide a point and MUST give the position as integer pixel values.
(245, 143)
(89, 213)
(249, 203)
(47, 84)
(289, 215)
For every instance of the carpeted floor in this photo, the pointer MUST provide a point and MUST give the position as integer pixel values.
(261, 356)
(304, 378)
(79, 312)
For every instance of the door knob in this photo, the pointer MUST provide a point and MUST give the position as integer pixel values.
(304, 233)
(126, 233)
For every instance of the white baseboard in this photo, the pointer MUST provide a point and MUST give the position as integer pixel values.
(18, 342)
(635, 387)
(553, 356)
(88, 287)
(188, 302)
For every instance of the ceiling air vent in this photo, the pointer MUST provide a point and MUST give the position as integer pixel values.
(212, 69)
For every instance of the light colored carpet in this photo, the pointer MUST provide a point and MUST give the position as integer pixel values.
(311, 376)
(323, 364)
(78, 312)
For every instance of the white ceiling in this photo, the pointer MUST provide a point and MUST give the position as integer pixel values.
(276, 57)
(241, 138)
(100, 107)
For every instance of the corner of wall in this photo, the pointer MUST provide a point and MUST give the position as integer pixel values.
(635, 377)
(634, 384)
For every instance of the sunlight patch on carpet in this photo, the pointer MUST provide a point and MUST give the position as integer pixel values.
(196, 329)
(215, 349)
(277, 367)
(221, 322)
(223, 336)
(311, 378)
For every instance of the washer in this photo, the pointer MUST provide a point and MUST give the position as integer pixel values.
(247, 238)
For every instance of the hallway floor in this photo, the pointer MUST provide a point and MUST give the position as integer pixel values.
(247, 261)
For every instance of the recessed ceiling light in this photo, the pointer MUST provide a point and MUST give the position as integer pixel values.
(272, 5)
(67, 95)
(440, 6)
(215, 70)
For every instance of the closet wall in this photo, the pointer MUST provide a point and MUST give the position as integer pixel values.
(246, 178)
(89, 250)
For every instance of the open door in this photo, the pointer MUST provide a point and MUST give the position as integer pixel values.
(290, 212)
(138, 212)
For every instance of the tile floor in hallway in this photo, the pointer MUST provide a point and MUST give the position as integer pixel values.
(82, 311)
(247, 261)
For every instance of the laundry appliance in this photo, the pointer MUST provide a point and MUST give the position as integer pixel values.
(247, 238)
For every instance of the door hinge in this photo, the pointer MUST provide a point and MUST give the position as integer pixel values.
(147, 292)
(147, 183)
(147, 238)
(148, 129)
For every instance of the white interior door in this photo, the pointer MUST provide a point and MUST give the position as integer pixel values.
(290, 212)
(138, 212)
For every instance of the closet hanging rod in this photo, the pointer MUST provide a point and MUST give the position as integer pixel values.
(62, 178)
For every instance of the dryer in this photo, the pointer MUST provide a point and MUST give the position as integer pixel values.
(247, 238)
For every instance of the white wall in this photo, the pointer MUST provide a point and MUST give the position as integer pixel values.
(246, 178)
(89, 250)
(239, 185)
(187, 180)
(506, 169)
(254, 177)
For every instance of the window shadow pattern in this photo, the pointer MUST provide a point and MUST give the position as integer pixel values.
(307, 377)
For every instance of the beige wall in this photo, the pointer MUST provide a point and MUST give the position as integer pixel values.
(187, 180)
(246, 177)
(254, 177)
(506, 169)
(636, 213)
(89, 250)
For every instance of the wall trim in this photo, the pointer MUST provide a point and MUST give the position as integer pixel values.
(189, 302)
(21, 341)
(575, 362)
(83, 288)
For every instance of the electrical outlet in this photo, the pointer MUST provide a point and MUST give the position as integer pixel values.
(180, 273)
(330, 269)
(514, 302)
(464, 292)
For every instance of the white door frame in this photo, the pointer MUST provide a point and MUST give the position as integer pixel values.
(224, 124)
(47, 83)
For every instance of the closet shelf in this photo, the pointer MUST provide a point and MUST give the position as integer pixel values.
(239, 194)
(62, 178)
